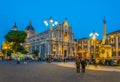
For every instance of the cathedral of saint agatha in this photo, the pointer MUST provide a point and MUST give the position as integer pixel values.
(56, 41)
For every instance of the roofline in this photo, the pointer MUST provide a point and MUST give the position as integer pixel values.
(117, 31)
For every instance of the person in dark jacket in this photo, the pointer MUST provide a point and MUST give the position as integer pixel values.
(78, 60)
(83, 64)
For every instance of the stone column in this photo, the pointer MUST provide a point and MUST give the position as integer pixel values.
(68, 49)
(48, 48)
(57, 47)
(30, 49)
(51, 48)
(82, 48)
(89, 48)
(116, 43)
(40, 50)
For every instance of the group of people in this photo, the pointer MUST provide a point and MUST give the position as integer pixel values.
(80, 64)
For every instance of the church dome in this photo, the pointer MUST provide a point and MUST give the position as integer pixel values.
(30, 27)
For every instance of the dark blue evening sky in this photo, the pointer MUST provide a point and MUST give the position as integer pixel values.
(83, 15)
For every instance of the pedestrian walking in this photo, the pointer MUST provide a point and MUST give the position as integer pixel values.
(78, 60)
(83, 64)
(18, 60)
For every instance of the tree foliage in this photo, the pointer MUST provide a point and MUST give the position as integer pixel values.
(22, 49)
(16, 37)
(8, 52)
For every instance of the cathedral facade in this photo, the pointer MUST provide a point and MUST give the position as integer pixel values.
(58, 41)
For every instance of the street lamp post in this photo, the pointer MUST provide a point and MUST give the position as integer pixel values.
(93, 35)
(50, 22)
(35, 42)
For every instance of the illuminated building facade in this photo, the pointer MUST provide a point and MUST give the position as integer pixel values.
(114, 41)
(59, 41)
(88, 48)
(56, 41)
